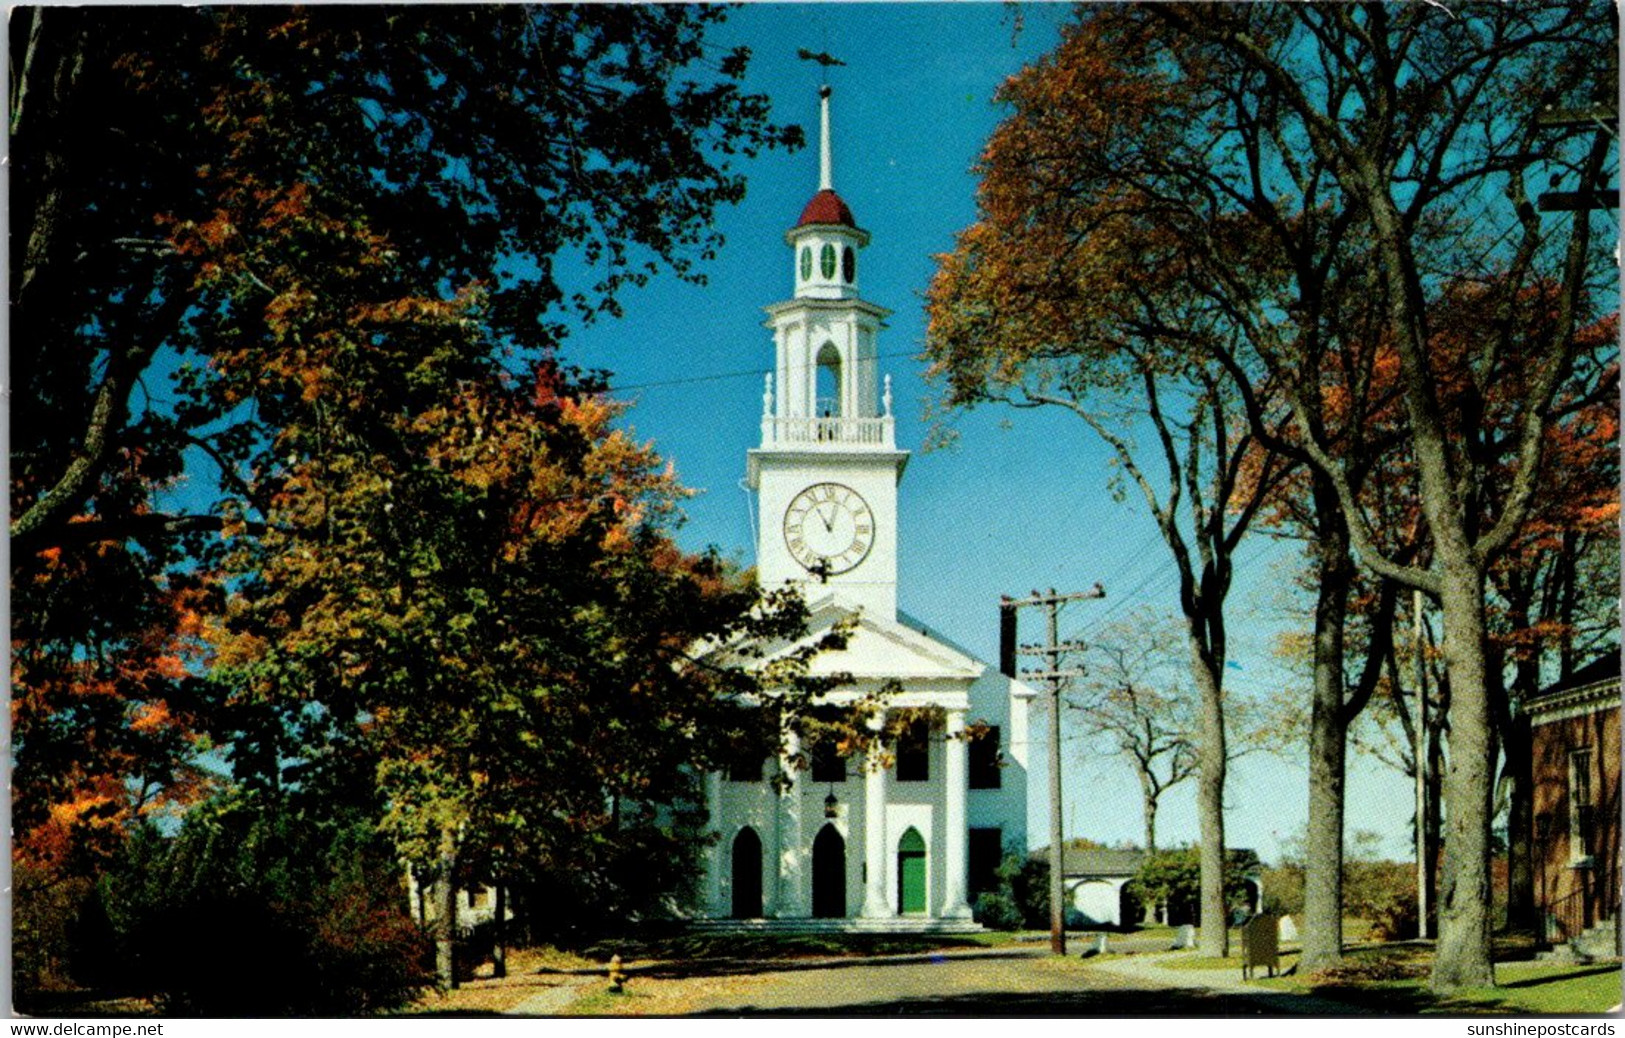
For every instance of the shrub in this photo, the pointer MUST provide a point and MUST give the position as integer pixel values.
(44, 911)
(1029, 889)
(253, 910)
(997, 910)
(1283, 889)
(1384, 894)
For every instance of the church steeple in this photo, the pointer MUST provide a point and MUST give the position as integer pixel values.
(826, 165)
(828, 466)
(826, 239)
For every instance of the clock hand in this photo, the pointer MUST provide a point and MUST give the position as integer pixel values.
(829, 523)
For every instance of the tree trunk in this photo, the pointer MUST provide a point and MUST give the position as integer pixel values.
(1215, 933)
(1322, 928)
(1149, 794)
(1462, 956)
(445, 912)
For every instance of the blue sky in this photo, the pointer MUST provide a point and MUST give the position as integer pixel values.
(1022, 501)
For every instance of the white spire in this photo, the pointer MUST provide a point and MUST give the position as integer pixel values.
(826, 178)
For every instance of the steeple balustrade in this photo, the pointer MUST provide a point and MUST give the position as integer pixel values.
(830, 432)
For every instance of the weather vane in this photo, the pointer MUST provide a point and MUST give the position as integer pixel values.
(823, 58)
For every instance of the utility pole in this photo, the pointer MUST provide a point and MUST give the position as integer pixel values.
(1051, 650)
(1423, 865)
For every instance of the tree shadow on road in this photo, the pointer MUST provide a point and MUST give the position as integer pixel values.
(1116, 1002)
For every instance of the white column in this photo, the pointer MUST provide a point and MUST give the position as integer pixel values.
(790, 902)
(956, 836)
(720, 852)
(874, 833)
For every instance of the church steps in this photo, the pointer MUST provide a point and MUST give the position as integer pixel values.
(894, 925)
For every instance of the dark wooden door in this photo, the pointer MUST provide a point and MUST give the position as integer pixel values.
(829, 875)
(747, 875)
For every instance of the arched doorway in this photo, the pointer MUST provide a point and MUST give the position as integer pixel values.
(829, 874)
(747, 875)
(911, 873)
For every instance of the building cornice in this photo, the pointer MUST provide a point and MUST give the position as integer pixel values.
(857, 234)
(775, 310)
(1575, 702)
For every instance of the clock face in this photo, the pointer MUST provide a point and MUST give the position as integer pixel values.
(829, 528)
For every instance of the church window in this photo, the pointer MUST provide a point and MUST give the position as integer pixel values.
(827, 763)
(984, 852)
(914, 753)
(849, 265)
(806, 262)
(746, 768)
(826, 261)
(984, 760)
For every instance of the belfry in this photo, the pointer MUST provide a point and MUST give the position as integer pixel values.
(908, 841)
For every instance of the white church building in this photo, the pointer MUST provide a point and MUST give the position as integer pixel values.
(850, 845)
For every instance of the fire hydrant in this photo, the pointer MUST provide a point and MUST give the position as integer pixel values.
(617, 976)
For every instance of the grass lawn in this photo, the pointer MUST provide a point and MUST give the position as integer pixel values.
(1394, 979)
(1194, 961)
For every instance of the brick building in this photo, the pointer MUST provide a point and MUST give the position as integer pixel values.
(1576, 744)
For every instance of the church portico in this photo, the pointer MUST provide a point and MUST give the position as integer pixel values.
(880, 840)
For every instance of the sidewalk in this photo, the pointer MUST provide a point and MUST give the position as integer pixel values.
(1148, 968)
(551, 1002)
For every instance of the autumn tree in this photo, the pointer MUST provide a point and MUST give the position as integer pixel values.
(1061, 299)
(1136, 696)
(234, 226)
(138, 134)
(1290, 149)
(465, 578)
(1554, 602)
(485, 144)
(1380, 104)
(197, 190)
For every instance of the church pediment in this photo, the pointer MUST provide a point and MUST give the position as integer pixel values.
(878, 649)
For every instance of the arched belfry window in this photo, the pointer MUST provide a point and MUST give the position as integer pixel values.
(828, 387)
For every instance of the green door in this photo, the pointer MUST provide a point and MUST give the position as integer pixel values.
(911, 874)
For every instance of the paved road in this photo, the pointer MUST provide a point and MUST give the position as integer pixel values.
(963, 985)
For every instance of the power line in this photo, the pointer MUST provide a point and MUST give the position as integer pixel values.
(724, 375)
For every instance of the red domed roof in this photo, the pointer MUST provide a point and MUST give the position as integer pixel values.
(826, 207)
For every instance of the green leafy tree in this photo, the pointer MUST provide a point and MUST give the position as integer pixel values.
(299, 902)
(1172, 879)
